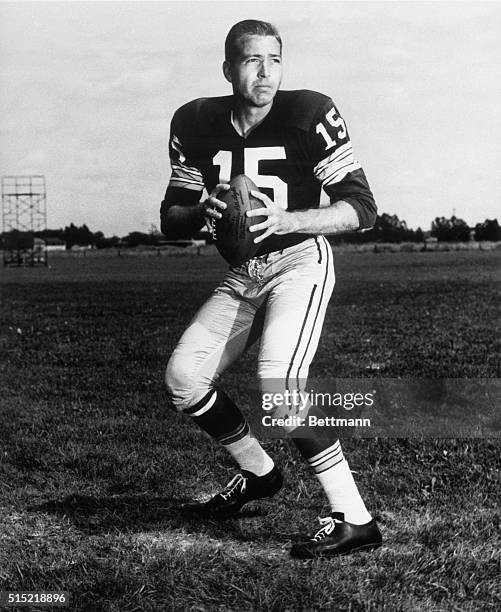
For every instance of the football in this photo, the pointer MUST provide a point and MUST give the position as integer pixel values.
(231, 233)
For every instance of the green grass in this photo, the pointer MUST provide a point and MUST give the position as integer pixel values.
(93, 463)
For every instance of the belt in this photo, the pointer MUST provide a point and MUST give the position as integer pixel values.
(255, 267)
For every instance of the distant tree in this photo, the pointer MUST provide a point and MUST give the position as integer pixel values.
(460, 230)
(156, 239)
(156, 236)
(50, 233)
(81, 236)
(71, 235)
(450, 230)
(488, 230)
(134, 239)
(389, 228)
(98, 240)
(101, 242)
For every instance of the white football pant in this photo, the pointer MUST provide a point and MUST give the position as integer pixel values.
(291, 288)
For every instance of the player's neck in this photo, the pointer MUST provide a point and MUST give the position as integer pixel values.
(246, 118)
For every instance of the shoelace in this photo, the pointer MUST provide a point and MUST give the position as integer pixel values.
(233, 485)
(328, 526)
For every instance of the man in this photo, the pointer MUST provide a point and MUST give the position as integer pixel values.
(292, 144)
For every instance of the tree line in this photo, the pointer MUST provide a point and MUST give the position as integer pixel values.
(388, 228)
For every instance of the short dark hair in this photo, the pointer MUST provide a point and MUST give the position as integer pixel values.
(248, 27)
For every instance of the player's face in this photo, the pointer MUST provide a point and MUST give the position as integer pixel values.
(257, 71)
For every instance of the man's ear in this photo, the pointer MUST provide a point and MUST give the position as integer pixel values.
(227, 71)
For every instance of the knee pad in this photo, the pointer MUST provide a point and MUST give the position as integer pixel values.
(184, 387)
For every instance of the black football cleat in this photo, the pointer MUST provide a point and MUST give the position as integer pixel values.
(337, 537)
(243, 488)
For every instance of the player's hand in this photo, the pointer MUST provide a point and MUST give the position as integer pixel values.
(211, 207)
(278, 221)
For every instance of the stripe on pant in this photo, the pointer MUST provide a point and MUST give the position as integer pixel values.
(308, 308)
(320, 304)
(301, 355)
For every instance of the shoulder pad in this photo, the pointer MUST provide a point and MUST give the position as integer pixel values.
(199, 115)
(301, 107)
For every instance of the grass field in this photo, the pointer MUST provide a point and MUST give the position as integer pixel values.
(93, 464)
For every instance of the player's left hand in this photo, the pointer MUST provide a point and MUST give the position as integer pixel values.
(279, 221)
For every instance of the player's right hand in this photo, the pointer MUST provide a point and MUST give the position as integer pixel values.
(211, 207)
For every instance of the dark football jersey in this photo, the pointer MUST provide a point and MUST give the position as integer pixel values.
(301, 147)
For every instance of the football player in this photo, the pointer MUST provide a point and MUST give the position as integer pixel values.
(293, 145)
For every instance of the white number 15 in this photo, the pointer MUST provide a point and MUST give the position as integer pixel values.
(335, 123)
(252, 157)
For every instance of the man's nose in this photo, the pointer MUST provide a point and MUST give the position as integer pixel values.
(264, 69)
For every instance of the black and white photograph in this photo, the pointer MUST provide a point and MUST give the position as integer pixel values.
(250, 288)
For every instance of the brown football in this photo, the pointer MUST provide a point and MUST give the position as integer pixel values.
(232, 236)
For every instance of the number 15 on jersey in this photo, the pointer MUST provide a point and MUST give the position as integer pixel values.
(252, 157)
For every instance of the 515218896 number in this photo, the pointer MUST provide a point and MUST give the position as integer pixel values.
(30, 598)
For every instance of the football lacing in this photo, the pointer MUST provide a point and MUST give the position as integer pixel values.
(233, 485)
(327, 528)
(213, 229)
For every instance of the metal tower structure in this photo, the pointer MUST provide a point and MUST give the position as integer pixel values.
(24, 212)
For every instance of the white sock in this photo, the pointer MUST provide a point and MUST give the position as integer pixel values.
(250, 455)
(333, 472)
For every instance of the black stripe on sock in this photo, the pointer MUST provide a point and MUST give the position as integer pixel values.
(234, 436)
(222, 419)
(326, 459)
(326, 451)
(327, 468)
(310, 447)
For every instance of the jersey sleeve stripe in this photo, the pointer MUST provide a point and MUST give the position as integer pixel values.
(187, 173)
(335, 167)
(342, 151)
(346, 149)
(339, 163)
(174, 182)
(184, 168)
(183, 175)
(186, 177)
(340, 173)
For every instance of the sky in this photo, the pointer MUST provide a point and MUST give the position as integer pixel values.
(87, 91)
